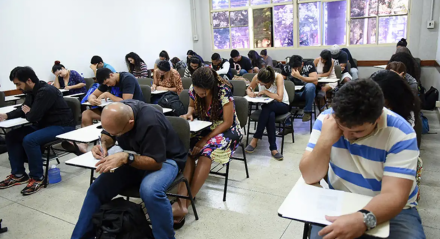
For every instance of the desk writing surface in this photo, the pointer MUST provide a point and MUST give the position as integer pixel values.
(261, 100)
(85, 161)
(156, 92)
(104, 103)
(381, 66)
(299, 87)
(7, 109)
(197, 125)
(13, 122)
(327, 80)
(166, 110)
(63, 90)
(75, 95)
(11, 98)
(84, 135)
(309, 203)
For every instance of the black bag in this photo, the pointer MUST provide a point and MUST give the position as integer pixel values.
(431, 96)
(121, 219)
(171, 100)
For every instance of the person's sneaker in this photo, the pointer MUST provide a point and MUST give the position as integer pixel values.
(278, 156)
(32, 187)
(12, 180)
(307, 117)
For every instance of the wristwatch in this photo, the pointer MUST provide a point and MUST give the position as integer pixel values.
(369, 219)
(130, 159)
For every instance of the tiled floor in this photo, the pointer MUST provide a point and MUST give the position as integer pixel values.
(249, 212)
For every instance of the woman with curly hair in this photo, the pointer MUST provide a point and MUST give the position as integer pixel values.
(210, 100)
(136, 65)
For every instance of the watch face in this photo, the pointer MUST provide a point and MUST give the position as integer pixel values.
(370, 220)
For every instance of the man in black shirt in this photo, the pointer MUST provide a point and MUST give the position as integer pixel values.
(128, 86)
(46, 108)
(341, 59)
(221, 66)
(302, 73)
(156, 156)
(240, 63)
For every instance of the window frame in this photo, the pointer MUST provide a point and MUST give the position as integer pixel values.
(296, 44)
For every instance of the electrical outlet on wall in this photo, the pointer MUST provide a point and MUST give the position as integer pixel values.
(195, 38)
(431, 24)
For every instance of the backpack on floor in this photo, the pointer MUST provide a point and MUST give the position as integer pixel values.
(171, 100)
(425, 124)
(121, 219)
(431, 96)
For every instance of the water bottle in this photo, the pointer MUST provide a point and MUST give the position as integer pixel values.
(54, 175)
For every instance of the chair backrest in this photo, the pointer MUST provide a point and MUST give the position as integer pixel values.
(418, 61)
(239, 87)
(89, 82)
(2, 99)
(181, 71)
(156, 106)
(145, 81)
(75, 107)
(338, 71)
(277, 70)
(184, 98)
(241, 108)
(249, 76)
(186, 83)
(181, 126)
(146, 91)
(234, 72)
(348, 67)
(290, 88)
(355, 62)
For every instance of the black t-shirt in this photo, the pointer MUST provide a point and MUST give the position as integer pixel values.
(152, 135)
(260, 63)
(128, 84)
(244, 63)
(308, 68)
(341, 58)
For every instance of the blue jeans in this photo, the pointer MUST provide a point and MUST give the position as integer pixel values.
(153, 186)
(267, 120)
(242, 72)
(406, 225)
(26, 142)
(354, 73)
(308, 94)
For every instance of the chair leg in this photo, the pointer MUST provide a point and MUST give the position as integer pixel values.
(307, 228)
(226, 182)
(248, 132)
(293, 130)
(282, 143)
(191, 198)
(46, 173)
(56, 156)
(245, 161)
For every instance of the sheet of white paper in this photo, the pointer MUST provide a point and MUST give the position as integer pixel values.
(197, 125)
(13, 122)
(263, 100)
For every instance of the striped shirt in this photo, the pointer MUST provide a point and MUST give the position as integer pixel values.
(358, 166)
(142, 73)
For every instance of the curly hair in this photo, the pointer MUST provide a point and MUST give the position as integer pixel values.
(137, 62)
(358, 102)
(207, 78)
(398, 95)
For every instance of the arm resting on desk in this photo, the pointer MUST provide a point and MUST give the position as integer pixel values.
(391, 200)
(314, 165)
(313, 78)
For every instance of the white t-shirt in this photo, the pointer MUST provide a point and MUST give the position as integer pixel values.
(273, 89)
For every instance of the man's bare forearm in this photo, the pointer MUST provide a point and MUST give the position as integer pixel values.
(314, 166)
(145, 163)
(106, 141)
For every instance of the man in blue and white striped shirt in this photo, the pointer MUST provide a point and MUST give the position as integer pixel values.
(366, 149)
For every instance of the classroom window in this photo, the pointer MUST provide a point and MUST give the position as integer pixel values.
(378, 21)
(272, 23)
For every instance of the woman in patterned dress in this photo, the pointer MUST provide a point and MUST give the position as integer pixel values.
(211, 100)
(68, 79)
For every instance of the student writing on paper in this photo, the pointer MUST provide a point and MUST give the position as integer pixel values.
(240, 63)
(163, 56)
(341, 59)
(325, 67)
(211, 99)
(46, 108)
(136, 66)
(270, 84)
(221, 66)
(68, 79)
(256, 60)
(194, 64)
(165, 78)
(302, 73)
(133, 124)
(367, 149)
(128, 86)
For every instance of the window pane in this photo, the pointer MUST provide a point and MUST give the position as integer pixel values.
(260, 2)
(392, 29)
(239, 3)
(363, 31)
(279, 1)
(220, 19)
(283, 25)
(389, 7)
(334, 23)
(219, 4)
(239, 18)
(263, 27)
(361, 8)
(309, 24)
(221, 38)
(240, 37)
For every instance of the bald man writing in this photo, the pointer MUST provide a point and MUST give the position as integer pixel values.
(140, 128)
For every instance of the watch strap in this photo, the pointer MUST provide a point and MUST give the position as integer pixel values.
(130, 158)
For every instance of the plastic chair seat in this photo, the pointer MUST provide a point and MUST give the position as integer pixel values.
(278, 119)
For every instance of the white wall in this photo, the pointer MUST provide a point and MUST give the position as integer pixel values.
(422, 41)
(36, 33)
